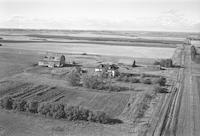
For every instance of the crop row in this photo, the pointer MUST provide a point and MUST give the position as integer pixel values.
(15, 88)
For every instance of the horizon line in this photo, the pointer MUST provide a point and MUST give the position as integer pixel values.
(54, 29)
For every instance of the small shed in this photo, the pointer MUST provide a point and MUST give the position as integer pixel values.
(52, 60)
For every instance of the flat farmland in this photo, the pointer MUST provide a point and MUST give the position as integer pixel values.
(134, 105)
(111, 103)
(95, 49)
(14, 61)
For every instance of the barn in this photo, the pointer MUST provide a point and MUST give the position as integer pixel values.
(52, 60)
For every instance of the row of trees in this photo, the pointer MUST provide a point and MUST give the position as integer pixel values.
(55, 110)
(161, 80)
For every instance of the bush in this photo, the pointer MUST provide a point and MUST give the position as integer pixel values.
(98, 116)
(135, 80)
(57, 111)
(128, 79)
(158, 89)
(7, 103)
(74, 77)
(116, 88)
(78, 113)
(164, 63)
(69, 111)
(145, 80)
(161, 81)
(45, 109)
(101, 117)
(19, 105)
(93, 82)
(83, 113)
(32, 106)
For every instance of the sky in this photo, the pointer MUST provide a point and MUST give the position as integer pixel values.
(150, 15)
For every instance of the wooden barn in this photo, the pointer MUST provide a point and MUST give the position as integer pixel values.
(52, 60)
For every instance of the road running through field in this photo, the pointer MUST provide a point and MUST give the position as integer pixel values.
(182, 110)
(184, 117)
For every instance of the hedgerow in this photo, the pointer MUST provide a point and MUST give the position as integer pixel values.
(55, 110)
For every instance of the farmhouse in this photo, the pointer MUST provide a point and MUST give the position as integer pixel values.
(107, 68)
(52, 60)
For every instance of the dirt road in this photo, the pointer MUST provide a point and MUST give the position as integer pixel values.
(188, 118)
(180, 115)
(183, 119)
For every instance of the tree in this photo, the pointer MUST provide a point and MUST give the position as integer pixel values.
(74, 77)
(32, 106)
(134, 64)
(93, 82)
(7, 103)
(19, 105)
(57, 111)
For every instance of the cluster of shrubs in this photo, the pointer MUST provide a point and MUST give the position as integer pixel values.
(97, 82)
(113, 88)
(128, 79)
(164, 63)
(74, 77)
(93, 82)
(55, 110)
(159, 89)
(19, 105)
(146, 80)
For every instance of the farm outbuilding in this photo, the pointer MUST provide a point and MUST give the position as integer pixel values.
(52, 60)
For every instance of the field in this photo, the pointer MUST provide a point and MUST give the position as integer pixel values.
(136, 106)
